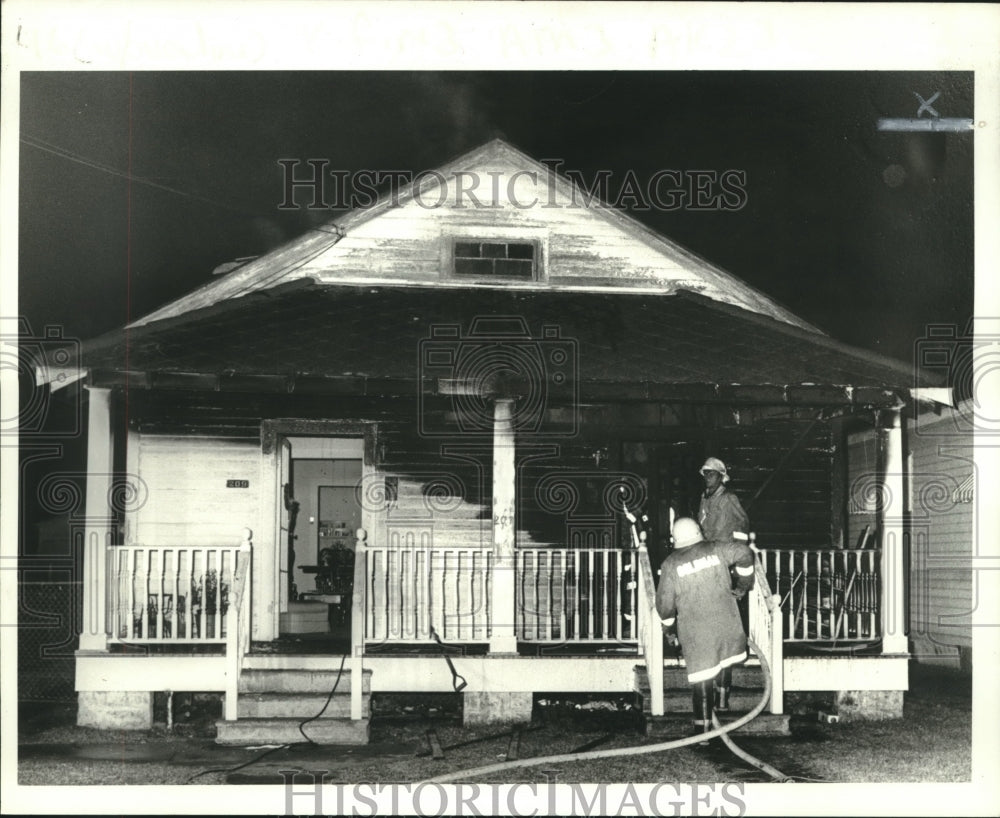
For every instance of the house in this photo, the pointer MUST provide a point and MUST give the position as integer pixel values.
(461, 399)
(943, 525)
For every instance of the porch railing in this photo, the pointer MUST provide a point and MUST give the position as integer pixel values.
(576, 595)
(650, 630)
(171, 594)
(411, 589)
(766, 629)
(238, 634)
(826, 594)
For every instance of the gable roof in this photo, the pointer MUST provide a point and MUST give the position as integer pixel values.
(305, 337)
(326, 253)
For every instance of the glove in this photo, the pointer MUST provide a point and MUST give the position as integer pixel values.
(670, 632)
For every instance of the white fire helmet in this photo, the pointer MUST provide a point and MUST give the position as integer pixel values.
(686, 532)
(714, 464)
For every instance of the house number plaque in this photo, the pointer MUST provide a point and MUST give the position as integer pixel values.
(237, 484)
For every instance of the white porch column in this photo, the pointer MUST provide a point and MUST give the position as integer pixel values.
(97, 536)
(894, 639)
(503, 638)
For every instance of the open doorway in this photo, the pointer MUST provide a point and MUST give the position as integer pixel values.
(322, 516)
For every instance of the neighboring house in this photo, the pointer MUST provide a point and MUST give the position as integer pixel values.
(463, 397)
(944, 536)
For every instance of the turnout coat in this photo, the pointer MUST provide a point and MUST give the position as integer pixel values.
(721, 515)
(696, 591)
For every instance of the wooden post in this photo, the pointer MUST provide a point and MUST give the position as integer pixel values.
(503, 638)
(100, 469)
(893, 506)
(358, 605)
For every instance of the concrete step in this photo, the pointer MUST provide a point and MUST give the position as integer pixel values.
(297, 705)
(254, 680)
(286, 731)
(675, 725)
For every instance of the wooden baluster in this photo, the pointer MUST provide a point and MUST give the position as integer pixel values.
(405, 597)
(607, 601)
(551, 604)
(476, 599)
(445, 606)
(536, 578)
(574, 589)
(155, 605)
(217, 603)
(420, 584)
(592, 591)
(470, 591)
(226, 581)
(831, 606)
(170, 593)
(488, 593)
(371, 588)
(460, 605)
(182, 604)
(386, 583)
(141, 592)
(616, 591)
(433, 603)
(122, 582)
(201, 561)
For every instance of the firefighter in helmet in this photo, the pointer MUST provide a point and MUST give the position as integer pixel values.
(696, 601)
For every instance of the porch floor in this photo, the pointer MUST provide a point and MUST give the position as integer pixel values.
(336, 642)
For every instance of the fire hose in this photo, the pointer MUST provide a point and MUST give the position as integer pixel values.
(718, 730)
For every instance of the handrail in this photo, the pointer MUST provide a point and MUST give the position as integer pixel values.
(650, 631)
(358, 606)
(238, 634)
(766, 627)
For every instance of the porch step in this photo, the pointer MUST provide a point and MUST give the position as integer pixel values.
(286, 731)
(297, 705)
(747, 687)
(677, 724)
(294, 680)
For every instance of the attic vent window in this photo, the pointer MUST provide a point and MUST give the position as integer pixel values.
(495, 259)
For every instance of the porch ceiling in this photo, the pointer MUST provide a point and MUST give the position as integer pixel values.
(366, 340)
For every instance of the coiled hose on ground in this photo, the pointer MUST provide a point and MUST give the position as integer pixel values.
(644, 749)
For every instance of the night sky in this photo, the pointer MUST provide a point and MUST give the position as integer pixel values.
(867, 235)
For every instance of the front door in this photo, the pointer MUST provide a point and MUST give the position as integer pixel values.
(325, 474)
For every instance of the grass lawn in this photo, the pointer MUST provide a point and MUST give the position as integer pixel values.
(931, 744)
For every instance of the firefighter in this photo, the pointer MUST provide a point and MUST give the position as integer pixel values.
(722, 519)
(719, 513)
(696, 601)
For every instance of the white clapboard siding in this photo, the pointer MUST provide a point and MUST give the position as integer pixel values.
(943, 534)
(188, 502)
(411, 242)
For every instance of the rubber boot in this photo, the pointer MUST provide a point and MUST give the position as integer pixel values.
(722, 686)
(702, 701)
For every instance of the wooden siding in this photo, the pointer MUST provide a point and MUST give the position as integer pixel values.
(942, 534)
(430, 497)
(187, 501)
(577, 246)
